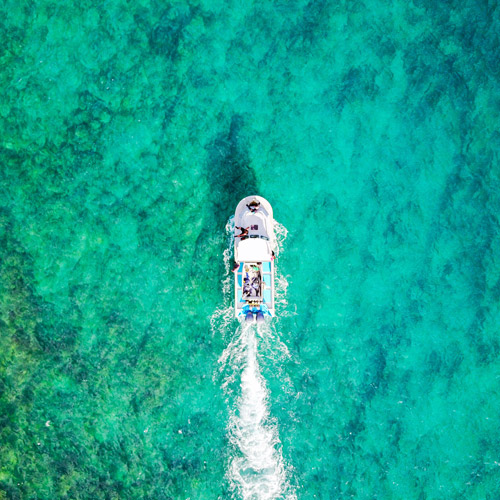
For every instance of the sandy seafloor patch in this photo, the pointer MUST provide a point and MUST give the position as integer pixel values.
(128, 133)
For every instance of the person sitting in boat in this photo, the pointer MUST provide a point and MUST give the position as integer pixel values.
(248, 290)
(251, 282)
(244, 232)
(253, 206)
(251, 286)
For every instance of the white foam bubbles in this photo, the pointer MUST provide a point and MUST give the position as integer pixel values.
(256, 468)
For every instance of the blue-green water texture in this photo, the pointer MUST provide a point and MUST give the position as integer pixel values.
(130, 130)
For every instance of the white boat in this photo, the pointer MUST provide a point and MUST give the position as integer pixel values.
(254, 244)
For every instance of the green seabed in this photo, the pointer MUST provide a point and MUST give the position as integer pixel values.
(128, 133)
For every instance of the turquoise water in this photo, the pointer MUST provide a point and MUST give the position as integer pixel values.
(128, 133)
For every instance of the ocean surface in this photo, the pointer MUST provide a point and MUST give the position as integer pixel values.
(129, 131)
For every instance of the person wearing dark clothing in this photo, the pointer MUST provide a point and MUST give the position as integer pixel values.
(253, 206)
(244, 232)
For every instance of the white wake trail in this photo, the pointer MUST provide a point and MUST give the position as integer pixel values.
(256, 470)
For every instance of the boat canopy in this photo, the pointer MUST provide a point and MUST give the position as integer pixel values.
(254, 250)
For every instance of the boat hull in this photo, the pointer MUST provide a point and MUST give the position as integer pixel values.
(254, 244)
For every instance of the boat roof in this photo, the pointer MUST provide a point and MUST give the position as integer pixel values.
(254, 250)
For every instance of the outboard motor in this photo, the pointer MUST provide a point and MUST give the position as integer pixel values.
(249, 317)
(260, 317)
